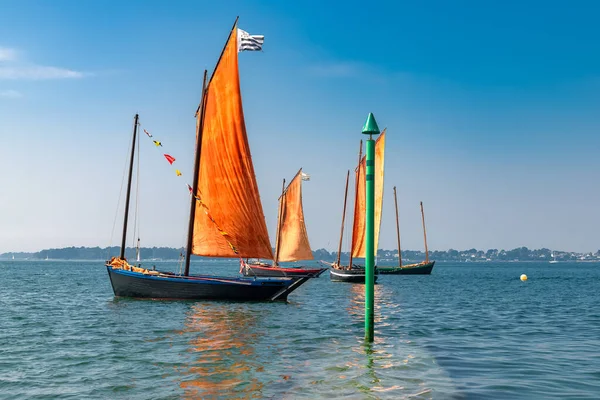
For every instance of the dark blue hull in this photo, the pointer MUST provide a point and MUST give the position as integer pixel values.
(416, 269)
(171, 286)
(354, 275)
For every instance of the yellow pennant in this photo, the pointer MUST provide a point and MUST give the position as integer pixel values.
(178, 172)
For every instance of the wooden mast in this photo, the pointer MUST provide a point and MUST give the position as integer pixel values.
(278, 233)
(339, 254)
(190, 237)
(398, 229)
(135, 125)
(355, 202)
(424, 234)
(201, 109)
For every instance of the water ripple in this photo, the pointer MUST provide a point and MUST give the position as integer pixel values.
(465, 332)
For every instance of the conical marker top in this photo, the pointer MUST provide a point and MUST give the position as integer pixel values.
(370, 127)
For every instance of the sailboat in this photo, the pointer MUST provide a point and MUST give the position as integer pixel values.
(226, 215)
(355, 273)
(291, 239)
(422, 268)
(553, 261)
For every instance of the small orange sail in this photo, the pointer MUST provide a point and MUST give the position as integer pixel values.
(292, 240)
(360, 209)
(229, 220)
(359, 228)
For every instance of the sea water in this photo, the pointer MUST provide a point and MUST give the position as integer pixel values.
(468, 331)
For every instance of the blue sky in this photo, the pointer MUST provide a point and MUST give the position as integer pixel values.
(491, 109)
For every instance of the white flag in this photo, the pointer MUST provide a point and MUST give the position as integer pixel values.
(249, 42)
(305, 177)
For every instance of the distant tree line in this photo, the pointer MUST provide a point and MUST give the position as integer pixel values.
(169, 253)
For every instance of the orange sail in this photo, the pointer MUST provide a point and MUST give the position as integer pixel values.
(229, 220)
(292, 240)
(360, 209)
(359, 228)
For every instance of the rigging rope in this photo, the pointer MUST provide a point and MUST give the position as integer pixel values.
(112, 232)
(170, 159)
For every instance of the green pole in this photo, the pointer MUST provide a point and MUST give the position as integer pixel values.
(370, 129)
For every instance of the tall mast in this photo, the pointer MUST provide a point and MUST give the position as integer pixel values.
(201, 108)
(339, 253)
(135, 125)
(279, 218)
(424, 234)
(398, 229)
(355, 202)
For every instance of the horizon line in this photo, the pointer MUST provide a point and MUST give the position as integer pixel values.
(322, 248)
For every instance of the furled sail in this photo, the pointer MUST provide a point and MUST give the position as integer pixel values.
(229, 219)
(359, 229)
(292, 241)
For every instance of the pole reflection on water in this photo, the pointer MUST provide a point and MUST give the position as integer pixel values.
(387, 357)
(383, 300)
(222, 342)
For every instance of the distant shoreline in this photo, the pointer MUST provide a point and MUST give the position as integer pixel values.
(158, 254)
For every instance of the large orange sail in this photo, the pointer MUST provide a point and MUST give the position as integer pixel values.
(229, 219)
(292, 241)
(359, 229)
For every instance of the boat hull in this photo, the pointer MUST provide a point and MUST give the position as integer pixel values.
(418, 269)
(268, 271)
(170, 286)
(354, 275)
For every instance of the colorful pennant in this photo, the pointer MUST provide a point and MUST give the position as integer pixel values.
(169, 158)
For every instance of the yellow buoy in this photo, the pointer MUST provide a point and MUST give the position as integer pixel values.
(523, 277)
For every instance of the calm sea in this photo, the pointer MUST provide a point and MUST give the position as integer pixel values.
(468, 331)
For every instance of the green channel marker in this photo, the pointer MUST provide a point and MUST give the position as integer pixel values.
(370, 129)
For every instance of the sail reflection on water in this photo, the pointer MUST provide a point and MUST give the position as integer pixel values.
(224, 363)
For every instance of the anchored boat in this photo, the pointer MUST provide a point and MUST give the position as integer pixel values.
(355, 273)
(291, 238)
(422, 268)
(226, 214)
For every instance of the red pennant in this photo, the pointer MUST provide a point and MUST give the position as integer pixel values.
(190, 189)
(170, 159)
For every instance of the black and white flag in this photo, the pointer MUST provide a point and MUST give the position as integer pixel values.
(249, 42)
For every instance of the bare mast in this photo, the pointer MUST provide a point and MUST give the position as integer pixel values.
(424, 234)
(398, 229)
(127, 198)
